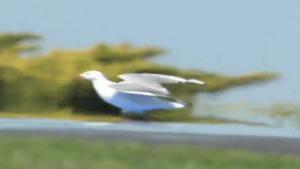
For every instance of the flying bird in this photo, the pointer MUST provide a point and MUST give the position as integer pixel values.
(138, 92)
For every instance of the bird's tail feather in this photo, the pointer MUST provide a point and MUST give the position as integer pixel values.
(178, 105)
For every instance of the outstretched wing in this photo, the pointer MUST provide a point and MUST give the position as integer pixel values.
(148, 83)
(156, 78)
(135, 88)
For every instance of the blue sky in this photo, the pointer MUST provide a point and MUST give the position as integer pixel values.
(230, 37)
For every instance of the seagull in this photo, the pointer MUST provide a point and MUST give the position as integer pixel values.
(138, 93)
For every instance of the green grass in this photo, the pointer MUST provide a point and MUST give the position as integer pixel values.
(62, 153)
(62, 115)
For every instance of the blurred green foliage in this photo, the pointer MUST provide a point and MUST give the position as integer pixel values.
(47, 82)
(33, 152)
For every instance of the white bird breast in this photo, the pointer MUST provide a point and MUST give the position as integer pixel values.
(103, 90)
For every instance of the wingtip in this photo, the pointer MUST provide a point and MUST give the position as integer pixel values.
(195, 81)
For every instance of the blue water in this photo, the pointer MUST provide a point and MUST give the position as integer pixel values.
(147, 127)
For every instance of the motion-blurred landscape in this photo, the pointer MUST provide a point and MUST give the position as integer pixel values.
(245, 52)
(47, 83)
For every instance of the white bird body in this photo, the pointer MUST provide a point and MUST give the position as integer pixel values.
(138, 93)
(103, 89)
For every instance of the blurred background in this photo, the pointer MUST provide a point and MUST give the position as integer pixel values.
(246, 52)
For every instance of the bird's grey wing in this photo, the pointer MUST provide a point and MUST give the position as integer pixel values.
(148, 99)
(156, 79)
(135, 88)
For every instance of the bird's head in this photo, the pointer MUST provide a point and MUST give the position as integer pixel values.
(91, 75)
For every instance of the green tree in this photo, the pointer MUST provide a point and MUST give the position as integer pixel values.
(46, 82)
